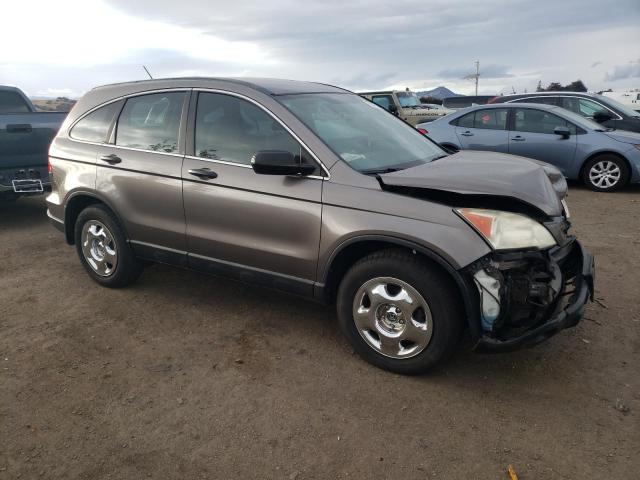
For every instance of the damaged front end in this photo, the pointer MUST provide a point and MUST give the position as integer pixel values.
(527, 296)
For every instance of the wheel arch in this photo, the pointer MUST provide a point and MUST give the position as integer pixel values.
(76, 203)
(349, 252)
(600, 153)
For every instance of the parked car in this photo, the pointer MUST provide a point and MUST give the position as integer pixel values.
(25, 135)
(603, 159)
(313, 190)
(406, 105)
(464, 101)
(601, 109)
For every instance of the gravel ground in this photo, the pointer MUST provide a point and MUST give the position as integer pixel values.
(184, 376)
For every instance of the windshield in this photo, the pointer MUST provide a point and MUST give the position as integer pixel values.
(408, 99)
(364, 135)
(629, 112)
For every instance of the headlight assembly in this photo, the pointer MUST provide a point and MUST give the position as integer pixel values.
(507, 230)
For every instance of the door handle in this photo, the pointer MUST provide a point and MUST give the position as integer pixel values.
(518, 139)
(203, 173)
(111, 159)
(467, 134)
(19, 128)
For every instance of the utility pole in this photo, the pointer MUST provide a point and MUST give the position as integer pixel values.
(475, 76)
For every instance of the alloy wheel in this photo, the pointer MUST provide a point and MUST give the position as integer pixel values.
(605, 174)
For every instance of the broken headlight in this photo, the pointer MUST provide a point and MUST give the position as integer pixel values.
(507, 230)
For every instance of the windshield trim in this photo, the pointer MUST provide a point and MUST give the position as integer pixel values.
(332, 150)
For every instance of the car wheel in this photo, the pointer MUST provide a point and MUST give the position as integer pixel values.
(399, 312)
(103, 248)
(605, 173)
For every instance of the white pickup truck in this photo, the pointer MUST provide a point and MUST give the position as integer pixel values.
(25, 135)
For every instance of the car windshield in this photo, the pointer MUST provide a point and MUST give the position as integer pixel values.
(408, 99)
(364, 135)
(629, 112)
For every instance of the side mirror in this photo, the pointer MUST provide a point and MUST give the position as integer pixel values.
(279, 162)
(393, 109)
(564, 132)
(602, 116)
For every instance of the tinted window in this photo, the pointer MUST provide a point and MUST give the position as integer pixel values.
(151, 122)
(233, 130)
(582, 106)
(490, 119)
(94, 127)
(538, 121)
(12, 102)
(384, 101)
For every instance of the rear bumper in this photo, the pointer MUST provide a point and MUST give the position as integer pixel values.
(576, 268)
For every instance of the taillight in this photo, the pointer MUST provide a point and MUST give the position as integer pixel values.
(493, 100)
(49, 168)
(423, 131)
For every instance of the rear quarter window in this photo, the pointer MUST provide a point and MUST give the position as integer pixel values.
(94, 127)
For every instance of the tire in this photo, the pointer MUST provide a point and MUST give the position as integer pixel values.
(402, 337)
(103, 248)
(605, 173)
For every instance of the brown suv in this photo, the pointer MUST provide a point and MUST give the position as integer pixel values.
(313, 190)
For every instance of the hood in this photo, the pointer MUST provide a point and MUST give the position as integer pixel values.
(624, 136)
(487, 174)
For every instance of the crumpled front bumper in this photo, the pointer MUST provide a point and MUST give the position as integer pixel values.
(575, 268)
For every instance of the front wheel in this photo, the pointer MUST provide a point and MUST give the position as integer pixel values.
(399, 312)
(605, 173)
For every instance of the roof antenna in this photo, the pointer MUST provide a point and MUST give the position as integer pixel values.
(145, 69)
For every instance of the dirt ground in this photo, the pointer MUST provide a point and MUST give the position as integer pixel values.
(184, 376)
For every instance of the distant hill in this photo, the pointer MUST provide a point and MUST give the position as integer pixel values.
(438, 92)
(60, 104)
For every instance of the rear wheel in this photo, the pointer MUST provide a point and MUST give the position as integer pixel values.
(399, 312)
(103, 248)
(605, 173)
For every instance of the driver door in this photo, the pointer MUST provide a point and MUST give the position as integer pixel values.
(262, 228)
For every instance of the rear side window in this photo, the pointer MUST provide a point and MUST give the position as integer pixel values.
(233, 130)
(95, 126)
(12, 102)
(151, 122)
(538, 121)
(489, 119)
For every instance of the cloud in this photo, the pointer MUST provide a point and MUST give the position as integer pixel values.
(595, 64)
(620, 72)
(352, 44)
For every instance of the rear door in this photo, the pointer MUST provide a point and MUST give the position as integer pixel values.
(263, 228)
(139, 173)
(484, 129)
(532, 136)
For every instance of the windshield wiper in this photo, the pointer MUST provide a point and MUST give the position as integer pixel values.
(375, 171)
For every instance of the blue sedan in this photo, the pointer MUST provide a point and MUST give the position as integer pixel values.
(605, 159)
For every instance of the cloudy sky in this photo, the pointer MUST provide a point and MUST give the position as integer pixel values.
(65, 47)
